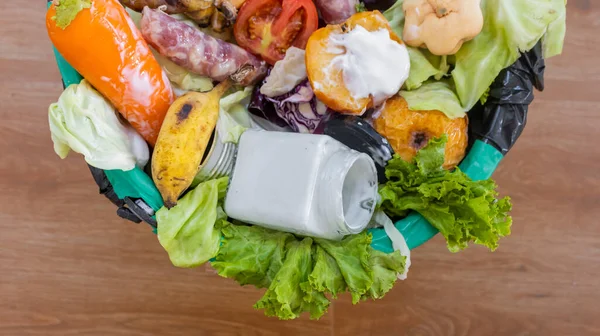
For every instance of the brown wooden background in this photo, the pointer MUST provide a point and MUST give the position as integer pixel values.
(69, 266)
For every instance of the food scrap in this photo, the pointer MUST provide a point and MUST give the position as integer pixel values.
(409, 131)
(442, 26)
(118, 63)
(269, 27)
(356, 65)
(285, 135)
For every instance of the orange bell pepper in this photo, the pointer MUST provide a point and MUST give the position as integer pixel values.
(99, 39)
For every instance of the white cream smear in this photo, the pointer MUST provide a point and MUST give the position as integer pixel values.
(372, 63)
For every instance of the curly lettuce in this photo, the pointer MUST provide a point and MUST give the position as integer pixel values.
(300, 274)
(462, 210)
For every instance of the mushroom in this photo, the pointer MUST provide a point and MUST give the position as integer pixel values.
(441, 26)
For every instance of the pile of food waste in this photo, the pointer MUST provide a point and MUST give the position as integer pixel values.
(282, 136)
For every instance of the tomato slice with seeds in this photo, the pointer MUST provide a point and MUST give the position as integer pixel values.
(269, 27)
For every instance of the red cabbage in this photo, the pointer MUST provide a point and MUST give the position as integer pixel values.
(299, 109)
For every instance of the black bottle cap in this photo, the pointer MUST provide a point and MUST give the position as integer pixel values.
(359, 135)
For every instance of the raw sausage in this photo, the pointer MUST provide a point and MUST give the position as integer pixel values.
(336, 11)
(199, 52)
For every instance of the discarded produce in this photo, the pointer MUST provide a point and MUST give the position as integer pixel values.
(190, 231)
(356, 65)
(442, 26)
(408, 131)
(183, 139)
(309, 147)
(84, 121)
(117, 62)
(269, 27)
(300, 273)
(462, 210)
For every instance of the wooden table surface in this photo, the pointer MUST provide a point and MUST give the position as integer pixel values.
(70, 266)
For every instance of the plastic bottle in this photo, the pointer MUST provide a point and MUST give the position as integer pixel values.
(306, 184)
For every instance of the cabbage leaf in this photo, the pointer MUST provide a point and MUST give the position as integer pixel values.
(190, 231)
(84, 121)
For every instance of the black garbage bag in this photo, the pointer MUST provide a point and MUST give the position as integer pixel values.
(501, 120)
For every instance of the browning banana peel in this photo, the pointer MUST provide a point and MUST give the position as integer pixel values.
(183, 139)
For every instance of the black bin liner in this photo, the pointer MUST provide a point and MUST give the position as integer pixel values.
(501, 120)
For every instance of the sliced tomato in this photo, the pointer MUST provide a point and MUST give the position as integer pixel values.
(269, 27)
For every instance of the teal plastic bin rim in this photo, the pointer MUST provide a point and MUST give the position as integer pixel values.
(479, 164)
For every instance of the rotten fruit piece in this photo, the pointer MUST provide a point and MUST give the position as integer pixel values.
(183, 139)
(442, 26)
(326, 79)
(408, 131)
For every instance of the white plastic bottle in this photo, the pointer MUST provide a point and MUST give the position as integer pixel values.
(306, 184)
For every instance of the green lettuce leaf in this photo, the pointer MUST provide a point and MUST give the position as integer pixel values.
(435, 95)
(251, 254)
(553, 40)
(84, 121)
(462, 210)
(326, 276)
(352, 257)
(234, 117)
(285, 298)
(510, 26)
(299, 273)
(423, 64)
(188, 231)
(386, 267)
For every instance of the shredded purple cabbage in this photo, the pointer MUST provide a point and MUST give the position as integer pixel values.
(299, 109)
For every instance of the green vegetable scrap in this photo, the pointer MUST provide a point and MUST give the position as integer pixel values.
(423, 64)
(234, 118)
(190, 231)
(360, 7)
(355, 267)
(251, 255)
(326, 275)
(285, 297)
(84, 121)
(301, 273)
(386, 268)
(463, 210)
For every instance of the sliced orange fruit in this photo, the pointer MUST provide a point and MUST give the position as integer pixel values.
(327, 81)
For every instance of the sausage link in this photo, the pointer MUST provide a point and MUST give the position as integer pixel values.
(199, 52)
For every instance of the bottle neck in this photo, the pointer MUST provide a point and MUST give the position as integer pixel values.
(219, 161)
(347, 191)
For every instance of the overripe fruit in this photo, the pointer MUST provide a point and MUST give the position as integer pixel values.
(408, 131)
(327, 81)
(182, 140)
